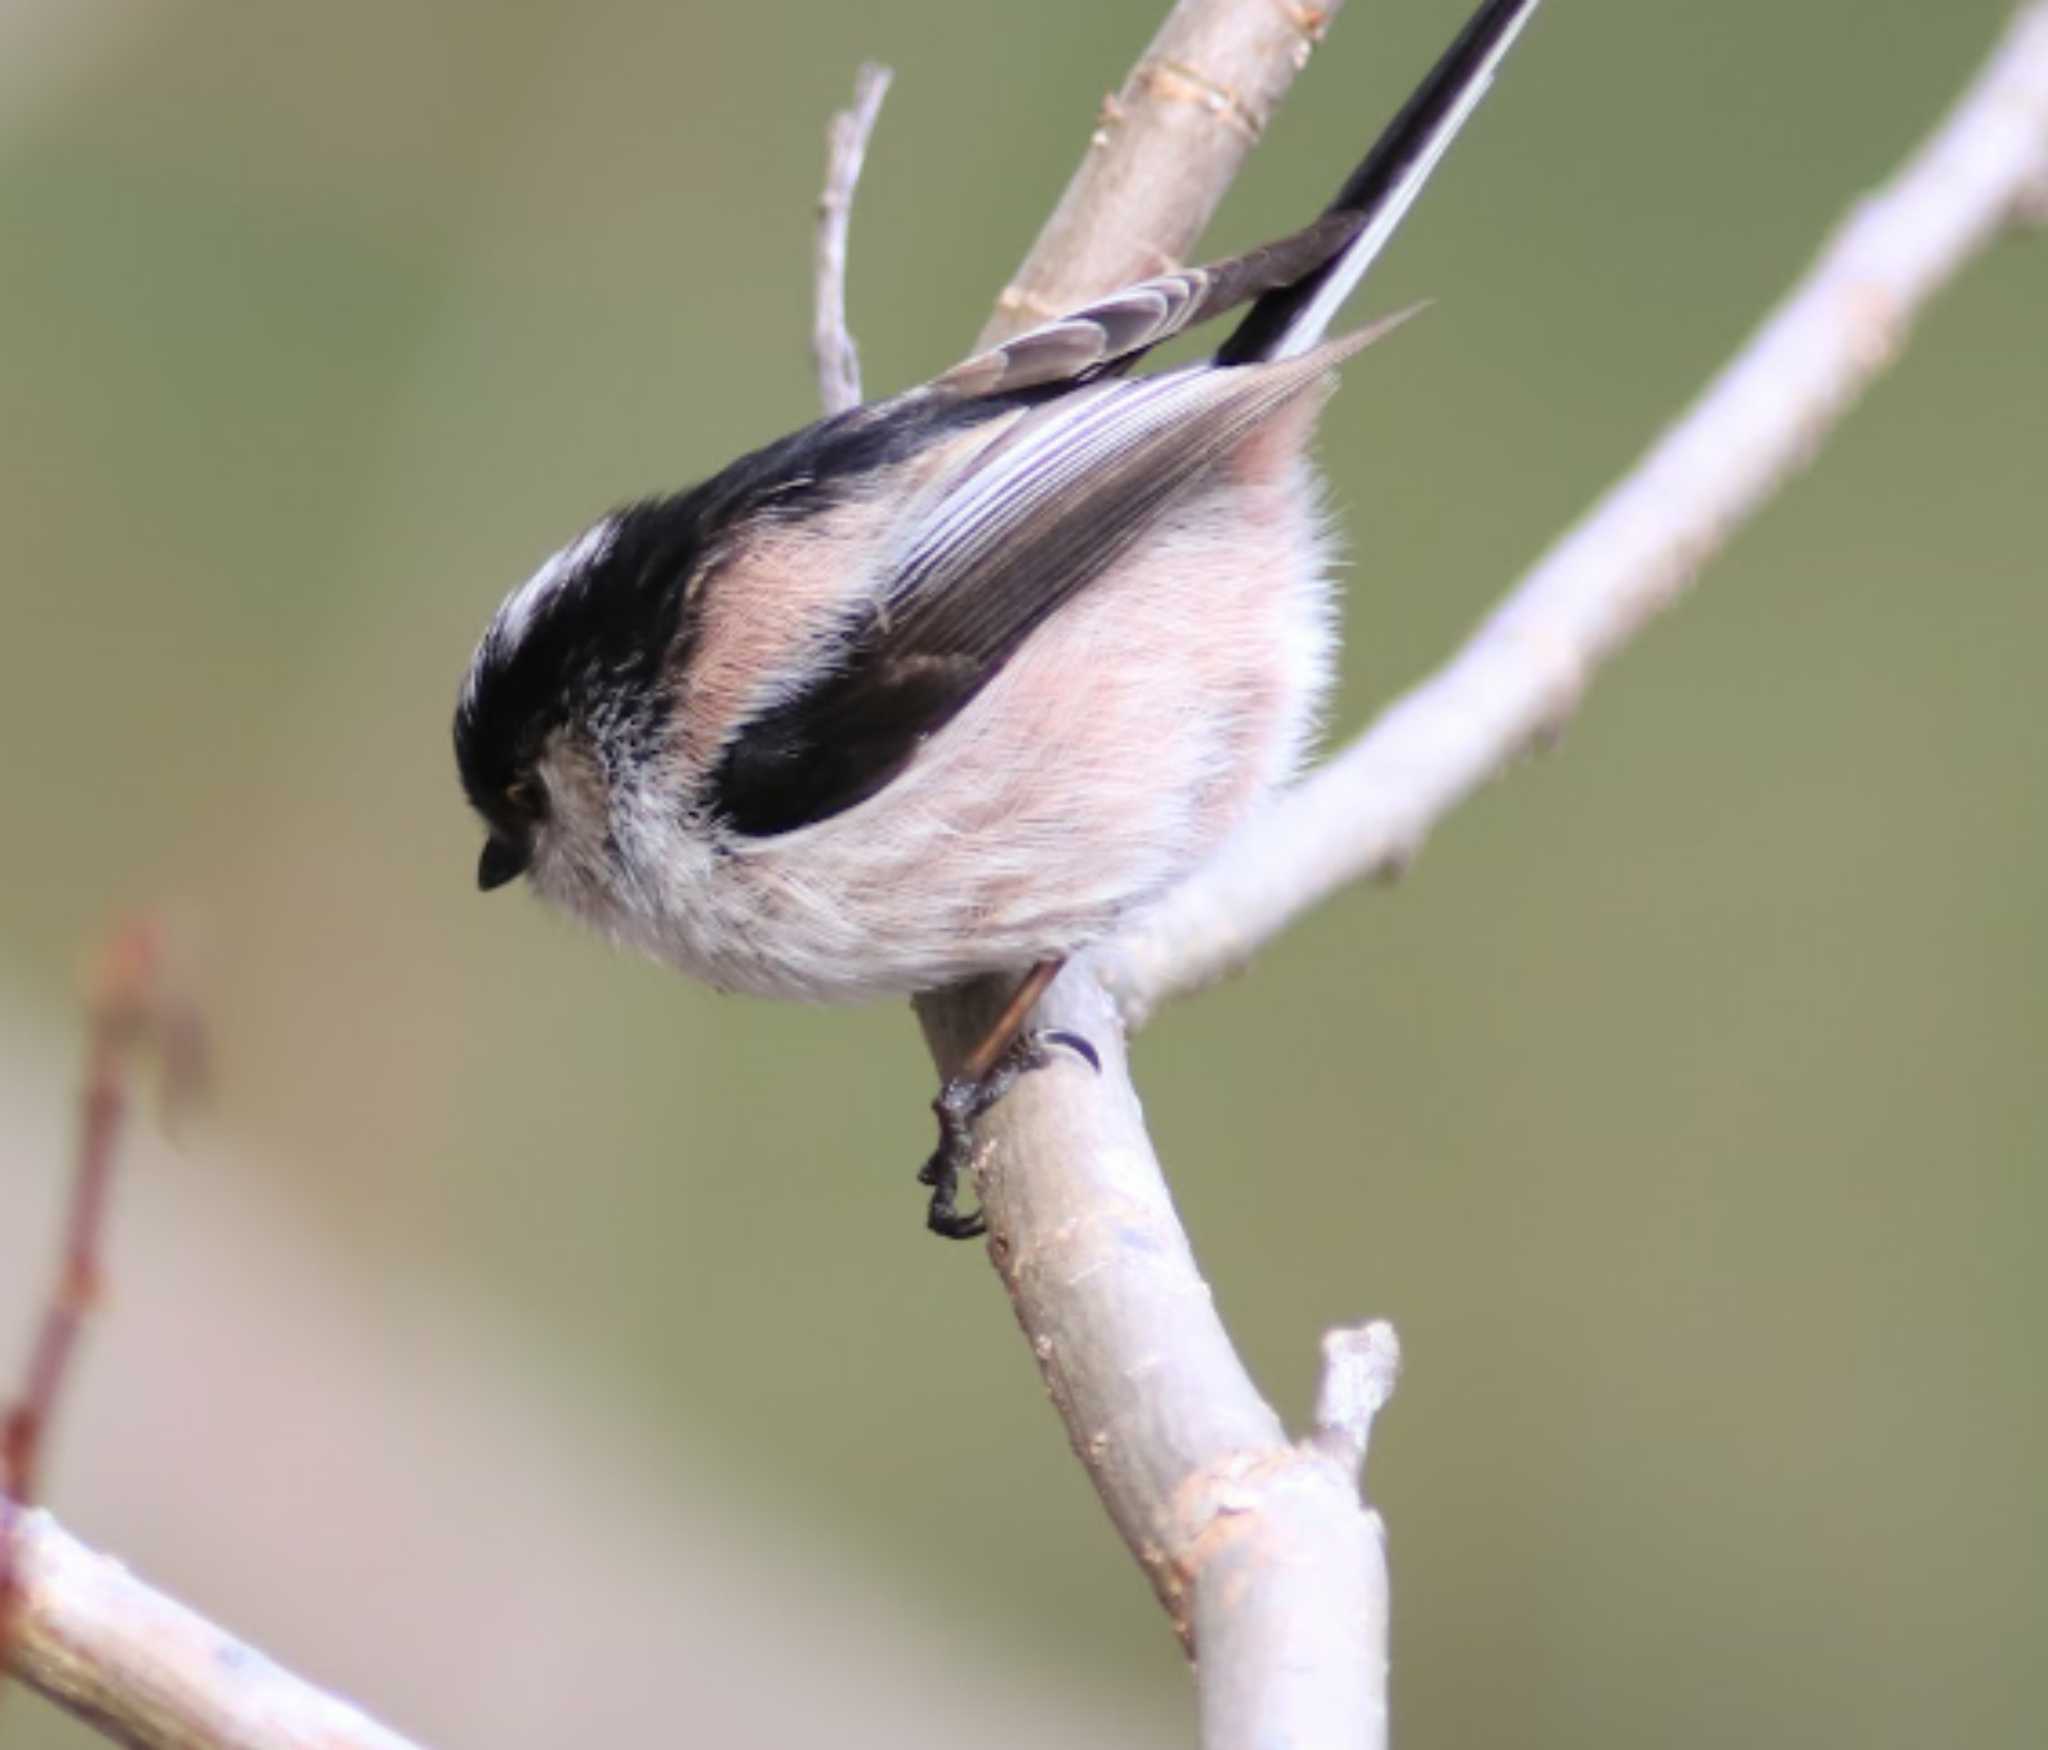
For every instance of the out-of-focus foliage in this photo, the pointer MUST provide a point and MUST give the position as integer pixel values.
(1684, 1107)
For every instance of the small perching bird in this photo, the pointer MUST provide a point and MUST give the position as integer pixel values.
(953, 683)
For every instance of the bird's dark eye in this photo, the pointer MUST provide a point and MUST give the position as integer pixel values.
(526, 799)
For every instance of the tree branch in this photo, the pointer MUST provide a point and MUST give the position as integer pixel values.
(124, 1008)
(846, 146)
(1518, 679)
(74, 1625)
(1265, 1559)
(1165, 150)
(148, 1672)
(1271, 1570)
(1269, 1565)
(1260, 1549)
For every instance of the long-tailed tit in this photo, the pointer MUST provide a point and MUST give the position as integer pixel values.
(955, 682)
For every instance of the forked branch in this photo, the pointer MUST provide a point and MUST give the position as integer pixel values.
(1188, 1459)
(1522, 673)
(1260, 1548)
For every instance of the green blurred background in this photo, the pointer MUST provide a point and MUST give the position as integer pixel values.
(1684, 1108)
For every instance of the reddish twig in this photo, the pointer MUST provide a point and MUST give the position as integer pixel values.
(127, 1008)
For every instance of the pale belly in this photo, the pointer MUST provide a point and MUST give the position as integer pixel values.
(1119, 748)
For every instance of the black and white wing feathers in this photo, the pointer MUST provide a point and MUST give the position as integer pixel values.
(1115, 332)
(1297, 283)
(1058, 497)
(1037, 517)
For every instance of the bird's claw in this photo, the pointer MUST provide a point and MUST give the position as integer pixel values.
(960, 1104)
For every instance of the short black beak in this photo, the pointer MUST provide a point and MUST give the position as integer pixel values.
(503, 860)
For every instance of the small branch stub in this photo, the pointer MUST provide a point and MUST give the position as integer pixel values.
(1361, 1367)
(1279, 1578)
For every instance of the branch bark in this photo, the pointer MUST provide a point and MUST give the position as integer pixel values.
(1521, 675)
(75, 1625)
(148, 1672)
(1269, 1567)
(1268, 1563)
(1165, 149)
(1261, 1551)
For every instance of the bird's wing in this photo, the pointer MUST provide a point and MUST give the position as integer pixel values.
(1300, 280)
(1030, 522)
(1114, 332)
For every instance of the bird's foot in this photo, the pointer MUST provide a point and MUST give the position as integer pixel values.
(961, 1102)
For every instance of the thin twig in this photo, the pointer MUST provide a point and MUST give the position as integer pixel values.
(1260, 1549)
(74, 1625)
(1518, 678)
(127, 1007)
(846, 145)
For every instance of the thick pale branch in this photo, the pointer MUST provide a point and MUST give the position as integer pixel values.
(150, 1673)
(1260, 1549)
(1268, 1564)
(1270, 1567)
(1291, 1613)
(1186, 1455)
(1368, 810)
(1165, 149)
(1123, 1326)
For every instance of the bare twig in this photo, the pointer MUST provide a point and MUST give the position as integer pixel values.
(127, 1007)
(1522, 673)
(148, 1672)
(74, 1625)
(846, 146)
(1165, 149)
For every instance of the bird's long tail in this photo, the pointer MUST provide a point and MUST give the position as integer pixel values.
(1295, 284)
(1292, 318)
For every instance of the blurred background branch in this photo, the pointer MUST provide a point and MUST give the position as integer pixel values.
(76, 1626)
(127, 1010)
